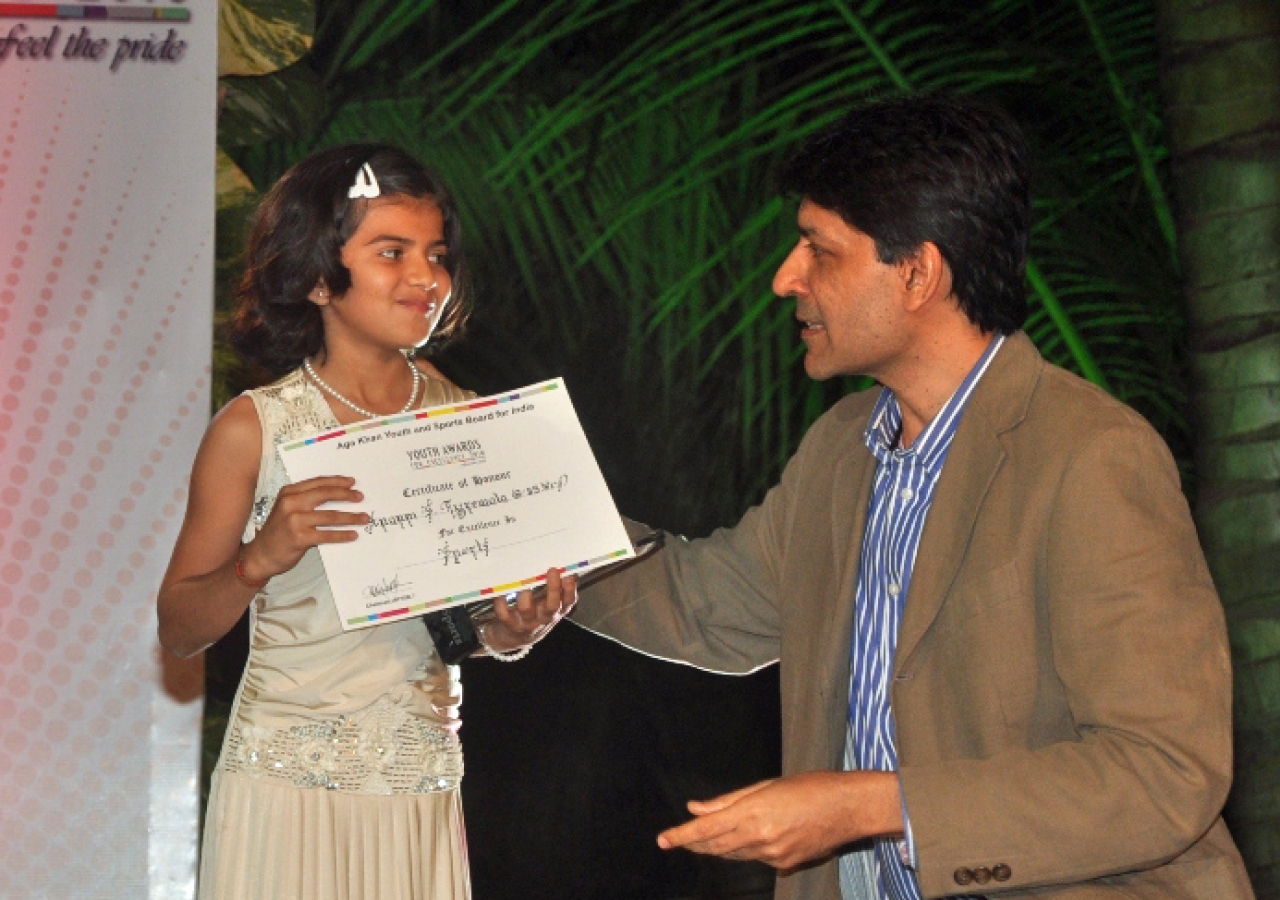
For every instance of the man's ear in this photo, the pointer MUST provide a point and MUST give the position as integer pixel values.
(925, 276)
(319, 295)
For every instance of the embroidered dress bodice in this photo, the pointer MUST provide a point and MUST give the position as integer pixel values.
(371, 711)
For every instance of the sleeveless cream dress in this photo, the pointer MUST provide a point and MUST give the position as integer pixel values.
(340, 768)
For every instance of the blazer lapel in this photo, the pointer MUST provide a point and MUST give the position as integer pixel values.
(971, 465)
(998, 404)
(854, 472)
(854, 475)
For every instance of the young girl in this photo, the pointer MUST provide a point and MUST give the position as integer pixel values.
(341, 764)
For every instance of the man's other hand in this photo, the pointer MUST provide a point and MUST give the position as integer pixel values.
(787, 822)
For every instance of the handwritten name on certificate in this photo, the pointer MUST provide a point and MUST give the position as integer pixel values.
(466, 501)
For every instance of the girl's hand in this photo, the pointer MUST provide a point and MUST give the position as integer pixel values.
(295, 525)
(533, 615)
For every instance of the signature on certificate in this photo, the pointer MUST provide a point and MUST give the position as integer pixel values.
(383, 587)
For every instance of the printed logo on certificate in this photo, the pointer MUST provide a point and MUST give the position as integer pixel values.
(467, 501)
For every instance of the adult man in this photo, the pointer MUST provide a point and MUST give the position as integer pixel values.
(1003, 663)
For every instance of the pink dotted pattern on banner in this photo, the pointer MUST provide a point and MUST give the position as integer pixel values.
(86, 519)
(12, 119)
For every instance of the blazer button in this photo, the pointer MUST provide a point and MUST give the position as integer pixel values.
(982, 874)
(963, 876)
(1001, 872)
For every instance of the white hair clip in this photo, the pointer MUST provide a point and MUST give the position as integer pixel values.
(366, 185)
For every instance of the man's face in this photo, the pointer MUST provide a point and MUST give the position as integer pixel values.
(847, 301)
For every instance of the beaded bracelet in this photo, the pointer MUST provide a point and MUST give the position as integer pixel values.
(243, 578)
(510, 656)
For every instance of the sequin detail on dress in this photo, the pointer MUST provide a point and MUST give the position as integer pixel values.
(382, 749)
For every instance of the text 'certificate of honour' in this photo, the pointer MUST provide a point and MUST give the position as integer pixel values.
(469, 500)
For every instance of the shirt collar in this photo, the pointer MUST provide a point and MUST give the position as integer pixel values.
(931, 446)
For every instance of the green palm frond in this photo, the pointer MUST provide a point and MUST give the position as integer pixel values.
(256, 37)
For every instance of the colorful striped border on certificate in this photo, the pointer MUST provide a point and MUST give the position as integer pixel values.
(434, 412)
(97, 12)
(481, 594)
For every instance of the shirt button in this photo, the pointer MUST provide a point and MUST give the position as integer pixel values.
(1001, 872)
(906, 493)
(963, 876)
(982, 875)
(894, 590)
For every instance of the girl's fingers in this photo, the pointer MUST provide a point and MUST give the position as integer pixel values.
(564, 594)
(315, 491)
(504, 613)
(318, 496)
(524, 612)
(535, 611)
(561, 594)
(331, 517)
(323, 481)
(335, 536)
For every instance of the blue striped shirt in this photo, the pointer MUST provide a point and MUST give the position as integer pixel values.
(905, 482)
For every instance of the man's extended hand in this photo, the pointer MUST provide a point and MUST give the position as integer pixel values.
(789, 821)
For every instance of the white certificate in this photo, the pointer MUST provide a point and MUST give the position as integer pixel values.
(475, 499)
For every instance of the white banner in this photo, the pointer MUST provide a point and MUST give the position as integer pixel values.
(107, 117)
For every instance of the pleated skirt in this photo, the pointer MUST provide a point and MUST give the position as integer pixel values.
(266, 840)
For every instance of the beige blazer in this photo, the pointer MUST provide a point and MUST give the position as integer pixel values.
(1062, 686)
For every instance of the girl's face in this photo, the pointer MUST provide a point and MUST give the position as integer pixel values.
(399, 284)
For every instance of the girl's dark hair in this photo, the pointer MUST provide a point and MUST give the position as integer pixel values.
(296, 239)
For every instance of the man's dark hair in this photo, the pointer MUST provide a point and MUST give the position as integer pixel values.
(931, 167)
(296, 239)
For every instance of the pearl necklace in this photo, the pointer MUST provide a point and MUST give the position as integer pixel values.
(368, 414)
